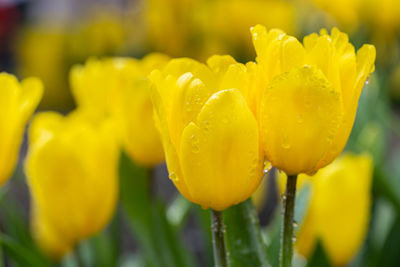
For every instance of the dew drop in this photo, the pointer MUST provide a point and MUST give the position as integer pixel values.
(267, 166)
(195, 149)
(173, 177)
(206, 125)
(194, 139)
(299, 119)
(285, 142)
(367, 81)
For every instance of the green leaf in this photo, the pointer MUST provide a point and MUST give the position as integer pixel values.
(272, 234)
(21, 254)
(390, 254)
(178, 211)
(319, 257)
(243, 236)
(148, 220)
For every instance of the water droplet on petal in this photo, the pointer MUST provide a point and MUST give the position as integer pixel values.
(299, 119)
(267, 166)
(173, 177)
(194, 139)
(285, 142)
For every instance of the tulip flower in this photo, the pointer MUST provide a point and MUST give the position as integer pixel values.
(309, 96)
(47, 238)
(40, 52)
(71, 168)
(209, 133)
(119, 88)
(17, 103)
(339, 221)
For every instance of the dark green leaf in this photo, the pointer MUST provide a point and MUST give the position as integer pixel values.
(243, 236)
(20, 254)
(147, 219)
(319, 257)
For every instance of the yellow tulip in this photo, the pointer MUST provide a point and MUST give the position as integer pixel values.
(209, 134)
(339, 208)
(17, 103)
(47, 238)
(71, 168)
(309, 95)
(119, 88)
(41, 52)
(227, 22)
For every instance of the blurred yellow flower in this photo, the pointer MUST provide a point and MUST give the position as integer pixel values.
(228, 22)
(339, 208)
(119, 88)
(209, 133)
(41, 52)
(99, 35)
(71, 168)
(309, 95)
(17, 104)
(170, 25)
(346, 13)
(47, 238)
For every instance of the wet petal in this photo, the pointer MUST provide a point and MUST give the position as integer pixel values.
(220, 155)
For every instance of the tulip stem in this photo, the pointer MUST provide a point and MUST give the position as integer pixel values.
(78, 257)
(218, 237)
(289, 197)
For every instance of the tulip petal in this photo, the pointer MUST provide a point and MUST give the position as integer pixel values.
(219, 155)
(171, 156)
(31, 94)
(300, 113)
(365, 65)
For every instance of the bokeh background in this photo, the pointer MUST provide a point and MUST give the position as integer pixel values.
(45, 38)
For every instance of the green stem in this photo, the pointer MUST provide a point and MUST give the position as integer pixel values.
(78, 257)
(286, 253)
(218, 236)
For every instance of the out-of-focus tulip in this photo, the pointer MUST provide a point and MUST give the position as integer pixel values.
(71, 169)
(170, 25)
(260, 195)
(98, 35)
(119, 88)
(309, 95)
(17, 103)
(209, 134)
(339, 208)
(42, 53)
(228, 22)
(343, 12)
(47, 238)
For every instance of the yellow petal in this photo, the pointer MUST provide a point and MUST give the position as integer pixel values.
(219, 155)
(31, 94)
(17, 103)
(63, 173)
(348, 211)
(160, 117)
(300, 110)
(365, 65)
(46, 236)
